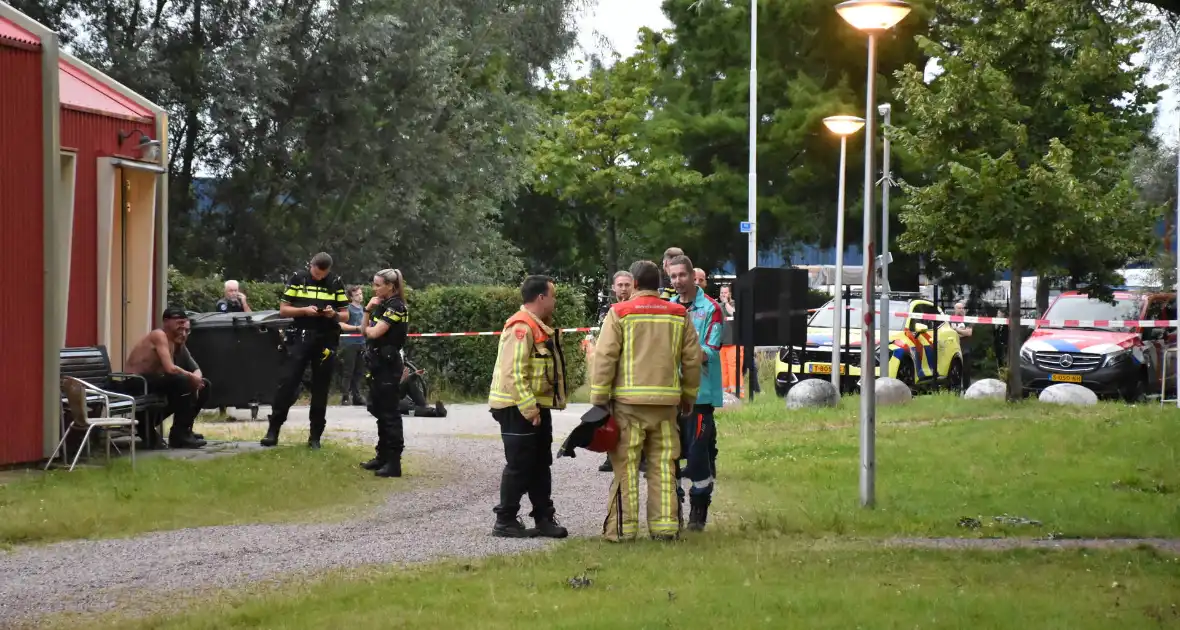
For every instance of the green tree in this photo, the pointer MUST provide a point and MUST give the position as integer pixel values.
(1024, 139)
(601, 156)
(811, 64)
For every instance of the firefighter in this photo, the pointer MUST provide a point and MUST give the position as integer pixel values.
(385, 324)
(667, 291)
(698, 432)
(315, 299)
(644, 387)
(527, 383)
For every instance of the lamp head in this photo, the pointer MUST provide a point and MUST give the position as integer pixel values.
(844, 125)
(873, 15)
(884, 109)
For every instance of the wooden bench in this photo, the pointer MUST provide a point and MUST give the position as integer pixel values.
(93, 365)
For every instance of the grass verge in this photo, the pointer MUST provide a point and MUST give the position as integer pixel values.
(728, 581)
(289, 483)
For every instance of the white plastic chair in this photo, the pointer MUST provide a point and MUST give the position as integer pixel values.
(75, 390)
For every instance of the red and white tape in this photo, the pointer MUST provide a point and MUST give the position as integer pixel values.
(1055, 323)
(474, 334)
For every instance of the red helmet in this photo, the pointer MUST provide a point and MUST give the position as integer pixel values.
(606, 437)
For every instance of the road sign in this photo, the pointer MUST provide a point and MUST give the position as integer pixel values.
(747, 227)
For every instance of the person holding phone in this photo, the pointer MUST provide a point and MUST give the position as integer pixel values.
(315, 299)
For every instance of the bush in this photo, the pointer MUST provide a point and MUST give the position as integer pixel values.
(459, 365)
(464, 364)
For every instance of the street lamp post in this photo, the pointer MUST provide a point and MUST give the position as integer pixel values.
(886, 182)
(842, 126)
(752, 191)
(873, 17)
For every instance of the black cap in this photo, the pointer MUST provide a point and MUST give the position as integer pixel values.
(175, 312)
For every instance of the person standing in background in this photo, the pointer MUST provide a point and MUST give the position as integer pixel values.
(700, 278)
(623, 286)
(385, 326)
(666, 290)
(964, 331)
(352, 365)
(234, 300)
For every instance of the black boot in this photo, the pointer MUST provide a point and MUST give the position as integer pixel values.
(548, 527)
(184, 441)
(272, 434)
(697, 515)
(313, 442)
(392, 468)
(373, 464)
(512, 529)
(606, 466)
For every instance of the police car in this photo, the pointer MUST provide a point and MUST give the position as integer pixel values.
(922, 354)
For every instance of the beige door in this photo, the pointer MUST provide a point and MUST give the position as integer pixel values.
(126, 255)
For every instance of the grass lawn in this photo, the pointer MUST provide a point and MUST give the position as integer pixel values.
(288, 483)
(791, 547)
(723, 580)
(1105, 471)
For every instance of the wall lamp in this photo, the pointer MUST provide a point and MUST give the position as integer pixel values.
(149, 147)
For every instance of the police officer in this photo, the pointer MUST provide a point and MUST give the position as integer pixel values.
(698, 432)
(315, 299)
(385, 324)
(644, 387)
(527, 382)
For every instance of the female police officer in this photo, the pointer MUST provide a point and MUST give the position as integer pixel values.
(385, 324)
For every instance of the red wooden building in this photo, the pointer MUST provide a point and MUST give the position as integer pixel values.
(83, 224)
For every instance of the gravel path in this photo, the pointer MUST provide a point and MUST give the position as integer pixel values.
(413, 526)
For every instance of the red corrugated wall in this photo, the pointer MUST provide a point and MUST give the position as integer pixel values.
(21, 259)
(93, 136)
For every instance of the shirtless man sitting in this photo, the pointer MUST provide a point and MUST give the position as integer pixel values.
(165, 363)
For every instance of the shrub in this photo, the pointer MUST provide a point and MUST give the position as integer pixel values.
(464, 364)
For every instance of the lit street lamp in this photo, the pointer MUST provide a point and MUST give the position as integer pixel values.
(842, 126)
(871, 16)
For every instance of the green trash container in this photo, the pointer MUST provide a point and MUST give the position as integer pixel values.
(241, 354)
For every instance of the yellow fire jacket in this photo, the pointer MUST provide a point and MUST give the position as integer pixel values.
(530, 366)
(647, 354)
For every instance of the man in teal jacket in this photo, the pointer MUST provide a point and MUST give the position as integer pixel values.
(698, 432)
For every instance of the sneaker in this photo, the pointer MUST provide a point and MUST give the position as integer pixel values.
(697, 516)
(512, 529)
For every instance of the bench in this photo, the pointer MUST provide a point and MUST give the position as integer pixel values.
(93, 365)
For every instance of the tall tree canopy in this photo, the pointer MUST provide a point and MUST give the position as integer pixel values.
(1025, 139)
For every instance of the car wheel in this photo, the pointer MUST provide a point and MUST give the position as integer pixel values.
(954, 376)
(1136, 392)
(905, 373)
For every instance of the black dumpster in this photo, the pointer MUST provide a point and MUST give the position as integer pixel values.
(240, 354)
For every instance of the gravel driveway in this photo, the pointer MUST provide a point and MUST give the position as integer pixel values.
(413, 526)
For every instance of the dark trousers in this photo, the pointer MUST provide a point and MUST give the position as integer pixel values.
(528, 455)
(352, 372)
(303, 349)
(698, 445)
(184, 402)
(384, 404)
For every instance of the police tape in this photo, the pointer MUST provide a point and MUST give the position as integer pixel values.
(474, 334)
(1054, 323)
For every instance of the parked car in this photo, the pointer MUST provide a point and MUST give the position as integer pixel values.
(915, 353)
(1113, 361)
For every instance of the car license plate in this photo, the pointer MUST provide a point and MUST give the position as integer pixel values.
(1066, 378)
(824, 368)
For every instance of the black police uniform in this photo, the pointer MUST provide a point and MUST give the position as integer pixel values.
(309, 340)
(383, 357)
(225, 305)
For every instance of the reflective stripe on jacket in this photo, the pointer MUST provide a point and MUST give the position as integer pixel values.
(708, 321)
(647, 354)
(530, 366)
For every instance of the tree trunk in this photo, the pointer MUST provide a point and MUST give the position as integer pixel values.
(1015, 385)
(612, 246)
(1042, 294)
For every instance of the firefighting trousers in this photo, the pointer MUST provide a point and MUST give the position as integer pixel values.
(649, 430)
(305, 348)
(384, 403)
(698, 445)
(528, 456)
